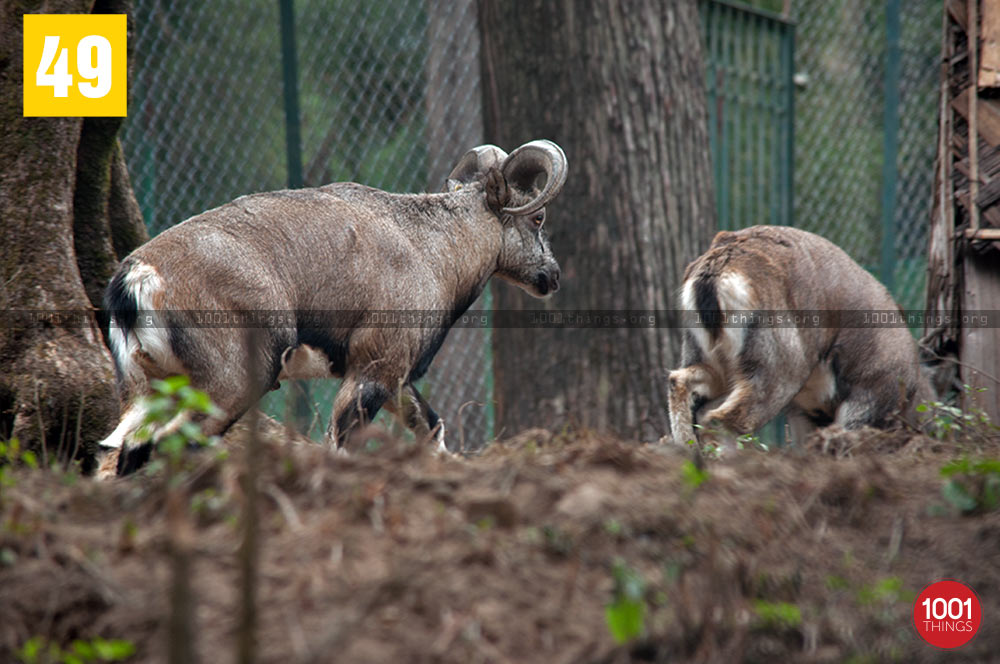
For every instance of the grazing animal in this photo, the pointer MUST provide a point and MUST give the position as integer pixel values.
(738, 372)
(343, 268)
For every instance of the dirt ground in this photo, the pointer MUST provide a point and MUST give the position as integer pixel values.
(812, 554)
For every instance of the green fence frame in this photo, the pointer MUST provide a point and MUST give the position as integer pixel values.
(749, 76)
(750, 93)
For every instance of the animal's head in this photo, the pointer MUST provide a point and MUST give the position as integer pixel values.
(517, 188)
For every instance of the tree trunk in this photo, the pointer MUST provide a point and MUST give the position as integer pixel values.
(620, 86)
(62, 190)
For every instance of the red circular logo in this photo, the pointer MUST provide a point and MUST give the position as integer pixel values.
(947, 614)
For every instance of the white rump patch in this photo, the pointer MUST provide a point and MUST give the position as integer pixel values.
(699, 334)
(732, 291)
(142, 282)
(304, 362)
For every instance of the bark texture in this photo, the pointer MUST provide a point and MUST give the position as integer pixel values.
(620, 86)
(56, 190)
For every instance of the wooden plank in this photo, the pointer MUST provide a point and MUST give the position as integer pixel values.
(988, 116)
(940, 337)
(980, 346)
(989, 49)
(956, 8)
(973, 106)
(983, 234)
(991, 215)
(989, 193)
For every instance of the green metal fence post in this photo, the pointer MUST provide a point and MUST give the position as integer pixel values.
(298, 408)
(787, 162)
(890, 144)
(290, 76)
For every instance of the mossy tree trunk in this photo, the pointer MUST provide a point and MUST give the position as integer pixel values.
(67, 213)
(620, 86)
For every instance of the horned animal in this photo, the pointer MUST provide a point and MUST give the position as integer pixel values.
(740, 369)
(335, 260)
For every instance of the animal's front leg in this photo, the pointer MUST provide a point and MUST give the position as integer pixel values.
(358, 402)
(413, 411)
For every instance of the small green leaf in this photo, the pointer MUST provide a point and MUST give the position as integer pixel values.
(780, 615)
(30, 650)
(172, 384)
(85, 650)
(954, 467)
(834, 582)
(984, 466)
(114, 650)
(693, 475)
(991, 492)
(29, 459)
(956, 494)
(625, 619)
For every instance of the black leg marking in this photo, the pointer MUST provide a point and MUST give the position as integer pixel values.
(371, 396)
(131, 459)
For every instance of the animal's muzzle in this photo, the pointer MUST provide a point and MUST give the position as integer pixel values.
(547, 282)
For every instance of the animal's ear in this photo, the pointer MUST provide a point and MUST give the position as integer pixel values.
(497, 191)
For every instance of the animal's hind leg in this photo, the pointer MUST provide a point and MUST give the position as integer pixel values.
(131, 457)
(357, 403)
(864, 408)
(231, 395)
(687, 387)
(751, 405)
(413, 411)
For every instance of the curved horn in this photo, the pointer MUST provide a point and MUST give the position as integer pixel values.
(474, 165)
(526, 163)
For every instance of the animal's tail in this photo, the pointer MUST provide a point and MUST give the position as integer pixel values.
(130, 299)
(721, 300)
(706, 304)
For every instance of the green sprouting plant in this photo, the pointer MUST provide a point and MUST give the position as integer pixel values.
(38, 650)
(972, 486)
(626, 614)
(750, 441)
(693, 476)
(173, 399)
(10, 455)
(886, 591)
(944, 421)
(777, 615)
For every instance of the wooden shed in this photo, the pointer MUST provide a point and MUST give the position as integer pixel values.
(963, 287)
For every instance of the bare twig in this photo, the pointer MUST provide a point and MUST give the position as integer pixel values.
(284, 504)
(76, 432)
(461, 424)
(949, 358)
(41, 428)
(180, 628)
(246, 639)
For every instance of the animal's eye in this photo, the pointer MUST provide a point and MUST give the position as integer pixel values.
(539, 218)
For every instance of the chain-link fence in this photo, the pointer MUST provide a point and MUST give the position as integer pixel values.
(865, 123)
(866, 131)
(388, 95)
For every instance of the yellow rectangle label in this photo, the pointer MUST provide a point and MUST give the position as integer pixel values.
(75, 65)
